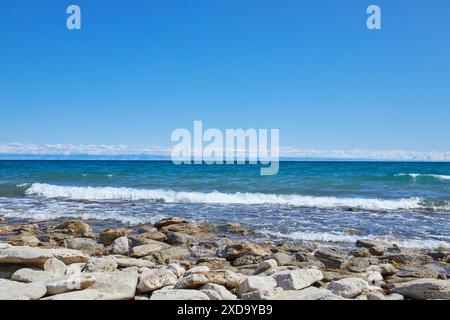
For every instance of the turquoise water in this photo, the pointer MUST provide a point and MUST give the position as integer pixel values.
(310, 201)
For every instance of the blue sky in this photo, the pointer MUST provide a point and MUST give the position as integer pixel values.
(139, 69)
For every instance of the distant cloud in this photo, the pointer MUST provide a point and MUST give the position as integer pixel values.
(67, 150)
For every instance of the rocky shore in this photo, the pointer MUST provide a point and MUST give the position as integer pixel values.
(175, 259)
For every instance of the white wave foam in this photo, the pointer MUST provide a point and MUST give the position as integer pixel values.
(417, 175)
(346, 238)
(170, 196)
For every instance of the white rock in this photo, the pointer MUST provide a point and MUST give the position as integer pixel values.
(424, 289)
(4, 245)
(176, 269)
(103, 264)
(120, 246)
(374, 278)
(261, 294)
(374, 295)
(157, 280)
(119, 285)
(270, 264)
(394, 296)
(75, 268)
(55, 266)
(37, 256)
(131, 262)
(254, 283)
(311, 293)
(348, 287)
(69, 283)
(217, 292)
(197, 269)
(12, 290)
(29, 275)
(226, 278)
(297, 279)
(178, 294)
(147, 249)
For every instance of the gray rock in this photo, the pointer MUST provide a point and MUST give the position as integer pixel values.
(423, 289)
(12, 290)
(348, 287)
(86, 245)
(75, 268)
(178, 294)
(29, 275)
(407, 258)
(176, 269)
(284, 259)
(108, 236)
(147, 249)
(331, 258)
(387, 269)
(171, 253)
(297, 279)
(264, 294)
(104, 264)
(177, 238)
(254, 283)
(55, 266)
(266, 265)
(120, 246)
(197, 269)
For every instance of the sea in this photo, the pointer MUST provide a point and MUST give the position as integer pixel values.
(324, 202)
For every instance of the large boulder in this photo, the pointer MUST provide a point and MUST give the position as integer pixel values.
(254, 283)
(225, 278)
(348, 287)
(12, 290)
(297, 279)
(156, 280)
(38, 256)
(86, 245)
(120, 246)
(423, 289)
(233, 251)
(119, 285)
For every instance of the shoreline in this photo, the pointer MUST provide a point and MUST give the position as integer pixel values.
(177, 259)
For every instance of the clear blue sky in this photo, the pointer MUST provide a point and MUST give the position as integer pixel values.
(139, 69)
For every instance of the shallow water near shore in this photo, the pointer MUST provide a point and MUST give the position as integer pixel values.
(325, 202)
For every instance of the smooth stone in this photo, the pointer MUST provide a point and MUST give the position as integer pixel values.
(119, 285)
(69, 283)
(348, 287)
(12, 290)
(38, 256)
(29, 275)
(387, 269)
(254, 283)
(157, 280)
(4, 245)
(374, 278)
(297, 279)
(55, 266)
(217, 292)
(374, 295)
(103, 264)
(394, 296)
(423, 289)
(120, 246)
(178, 294)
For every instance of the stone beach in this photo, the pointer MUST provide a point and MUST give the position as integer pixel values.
(176, 259)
